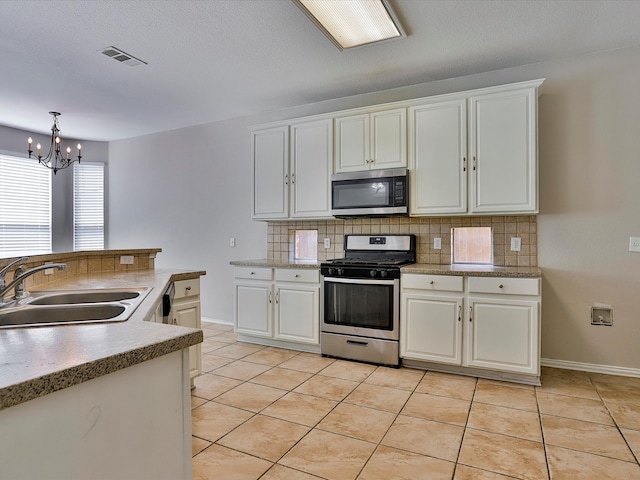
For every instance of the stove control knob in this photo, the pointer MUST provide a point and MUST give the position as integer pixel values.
(383, 273)
(331, 271)
(373, 273)
(340, 272)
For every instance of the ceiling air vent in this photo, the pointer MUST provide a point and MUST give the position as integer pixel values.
(121, 56)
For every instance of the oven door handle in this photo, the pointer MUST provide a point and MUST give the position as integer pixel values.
(359, 281)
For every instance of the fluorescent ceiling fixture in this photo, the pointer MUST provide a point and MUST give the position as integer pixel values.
(351, 23)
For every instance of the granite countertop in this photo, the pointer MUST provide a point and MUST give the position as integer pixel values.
(473, 270)
(276, 263)
(36, 361)
(432, 269)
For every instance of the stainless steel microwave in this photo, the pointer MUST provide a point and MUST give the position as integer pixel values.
(370, 193)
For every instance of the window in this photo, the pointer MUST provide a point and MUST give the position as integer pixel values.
(306, 247)
(472, 245)
(88, 206)
(25, 207)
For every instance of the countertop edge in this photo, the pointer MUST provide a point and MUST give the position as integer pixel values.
(68, 376)
(267, 263)
(423, 268)
(53, 382)
(473, 271)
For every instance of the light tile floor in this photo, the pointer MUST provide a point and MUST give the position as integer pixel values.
(274, 414)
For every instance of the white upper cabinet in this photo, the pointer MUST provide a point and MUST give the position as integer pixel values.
(270, 154)
(504, 145)
(292, 170)
(373, 140)
(475, 153)
(438, 158)
(468, 153)
(310, 182)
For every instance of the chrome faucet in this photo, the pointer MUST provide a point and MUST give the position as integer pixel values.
(18, 278)
(6, 268)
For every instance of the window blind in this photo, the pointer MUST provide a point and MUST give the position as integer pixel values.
(88, 206)
(25, 207)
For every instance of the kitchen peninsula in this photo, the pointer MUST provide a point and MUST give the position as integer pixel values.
(98, 400)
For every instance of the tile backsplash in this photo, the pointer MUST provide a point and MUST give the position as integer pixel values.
(280, 236)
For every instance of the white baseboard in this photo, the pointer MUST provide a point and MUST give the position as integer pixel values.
(590, 367)
(214, 320)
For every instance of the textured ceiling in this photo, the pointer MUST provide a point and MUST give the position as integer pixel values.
(219, 59)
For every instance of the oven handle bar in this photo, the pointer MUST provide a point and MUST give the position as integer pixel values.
(359, 281)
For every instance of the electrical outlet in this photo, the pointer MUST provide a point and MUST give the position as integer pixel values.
(232, 242)
(126, 259)
(634, 244)
(437, 243)
(516, 243)
(48, 271)
(327, 243)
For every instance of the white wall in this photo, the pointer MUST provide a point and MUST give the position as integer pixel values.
(188, 191)
(14, 142)
(590, 205)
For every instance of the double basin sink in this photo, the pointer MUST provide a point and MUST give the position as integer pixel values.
(64, 307)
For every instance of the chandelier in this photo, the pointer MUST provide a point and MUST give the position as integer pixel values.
(54, 160)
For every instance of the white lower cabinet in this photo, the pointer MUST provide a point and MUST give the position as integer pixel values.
(503, 334)
(283, 305)
(481, 322)
(253, 299)
(186, 312)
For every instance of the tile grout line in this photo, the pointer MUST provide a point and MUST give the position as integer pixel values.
(464, 431)
(397, 414)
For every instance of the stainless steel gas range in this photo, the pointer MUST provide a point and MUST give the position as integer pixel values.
(360, 307)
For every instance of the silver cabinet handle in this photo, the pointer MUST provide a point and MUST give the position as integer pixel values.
(252, 273)
(471, 314)
(293, 178)
(269, 297)
(464, 164)
(188, 289)
(474, 163)
(431, 282)
(459, 312)
(286, 179)
(500, 286)
(297, 276)
(278, 297)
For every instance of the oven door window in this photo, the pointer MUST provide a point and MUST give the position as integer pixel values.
(359, 305)
(362, 193)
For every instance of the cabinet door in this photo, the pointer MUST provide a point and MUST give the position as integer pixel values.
(298, 313)
(389, 139)
(503, 335)
(438, 158)
(311, 163)
(187, 314)
(430, 328)
(504, 152)
(252, 308)
(270, 153)
(352, 143)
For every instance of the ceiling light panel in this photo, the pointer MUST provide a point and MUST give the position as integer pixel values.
(351, 23)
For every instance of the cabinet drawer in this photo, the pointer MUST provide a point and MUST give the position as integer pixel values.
(306, 275)
(253, 273)
(450, 283)
(187, 288)
(505, 286)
